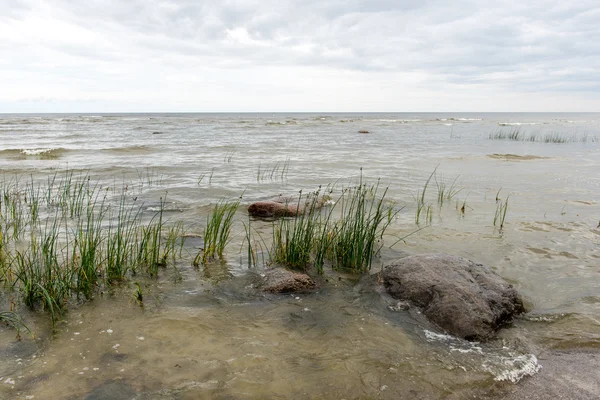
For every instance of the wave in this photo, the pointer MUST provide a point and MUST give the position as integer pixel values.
(517, 123)
(130, 149)
(45, 153)
(503, 363)
(464, 119)
(276, 123)
(26, 121)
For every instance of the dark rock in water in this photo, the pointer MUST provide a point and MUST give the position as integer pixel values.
(466, 299)
(281, 280)
(285, 206)
(108, 358)
(269, 208)
(363, 131)
(114, 390)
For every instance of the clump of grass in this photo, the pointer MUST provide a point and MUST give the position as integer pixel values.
(150, 255)
(356, 237)
(43, 280)
(501, 209)
(277, 171)
(446, 192)
(204, 175)
(70, 240)
(13, 319)
(513, 134)
(138, 295)
(217, 231)
(120, 241)
(424, 209)
(293, 238)
(555, 138)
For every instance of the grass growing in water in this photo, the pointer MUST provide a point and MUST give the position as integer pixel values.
(501, 209)
(422, 207)
(294, 238)
(11, 318)
(355, 236)
(71, 240)
(217, 231)
(279, 170)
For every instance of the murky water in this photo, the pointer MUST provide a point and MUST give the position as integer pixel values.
(209, 335)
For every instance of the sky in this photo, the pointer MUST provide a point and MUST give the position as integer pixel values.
(304, 56)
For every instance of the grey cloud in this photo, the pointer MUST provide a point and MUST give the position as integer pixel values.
(523, 45)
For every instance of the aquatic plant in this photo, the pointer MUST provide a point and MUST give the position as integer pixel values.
(71, 240)
(445, 192)
(120, 241)
(356, 237)
(513, 134)
(501, 209)
(13, 319)
(422, 206)
(150, 255)
(210, 176)
(293, 238)
(218, 230)
(138, 295)
(556, 138)
(277, 171)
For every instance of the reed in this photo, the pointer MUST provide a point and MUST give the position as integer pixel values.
(501, 209)
(356, 237)
(422, 207)
(513, 134)
(556, 138)
(293, 238)
(120, 241)
(66, 239)
(217, 231)
(87, 245)
(277, 171)
(13, 319)
(149, 240)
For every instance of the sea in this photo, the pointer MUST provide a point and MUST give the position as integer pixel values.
(208, 335)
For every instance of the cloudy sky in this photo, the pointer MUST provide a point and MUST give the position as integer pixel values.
(310, 55)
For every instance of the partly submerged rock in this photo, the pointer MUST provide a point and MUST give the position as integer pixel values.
(285, 206)
(281, 280)
(363, 131)
(114, 390)
(466, 299)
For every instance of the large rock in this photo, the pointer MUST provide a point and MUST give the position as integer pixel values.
(285, 206)
(466, 299)
(281, 280)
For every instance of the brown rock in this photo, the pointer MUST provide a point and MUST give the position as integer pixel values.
(363, 131)
(285, 206)
(466, 299)
(281, 280)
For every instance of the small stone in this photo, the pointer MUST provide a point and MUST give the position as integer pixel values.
(281, 280)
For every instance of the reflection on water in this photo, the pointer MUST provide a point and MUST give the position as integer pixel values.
(205, 333)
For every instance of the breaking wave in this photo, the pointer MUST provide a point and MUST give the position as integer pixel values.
(34, 152)
(516, 123)
(503, 363)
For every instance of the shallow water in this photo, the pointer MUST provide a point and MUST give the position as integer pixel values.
(210, 335)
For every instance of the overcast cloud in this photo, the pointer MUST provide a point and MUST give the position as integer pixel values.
(311, 55)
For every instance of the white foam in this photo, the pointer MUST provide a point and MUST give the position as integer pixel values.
(514, 368)
(438, 336)
(516, 123)
(35, 152)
